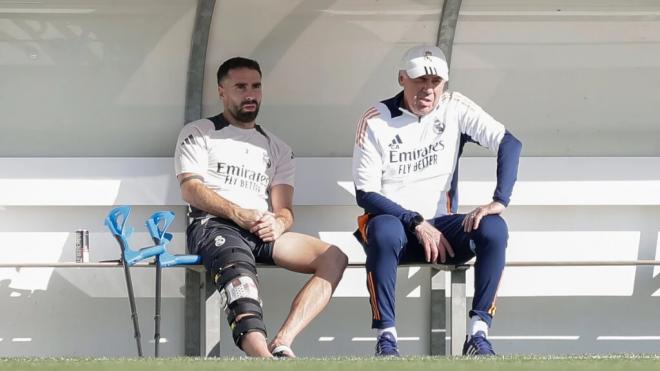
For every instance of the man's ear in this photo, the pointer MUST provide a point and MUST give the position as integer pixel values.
(401, 78)
(221, 91)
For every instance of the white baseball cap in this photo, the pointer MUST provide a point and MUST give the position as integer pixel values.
(425, 60)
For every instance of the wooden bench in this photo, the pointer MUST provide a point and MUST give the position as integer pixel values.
(327, 182)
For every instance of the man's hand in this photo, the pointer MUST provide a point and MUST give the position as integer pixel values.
(268, 228)
(246, 218)
(473, 218)
(434, 243)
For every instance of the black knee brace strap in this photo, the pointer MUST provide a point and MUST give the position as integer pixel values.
(238, 269)
(243, 306)
(246, 325)
(232, 263)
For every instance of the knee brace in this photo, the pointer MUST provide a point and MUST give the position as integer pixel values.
(237, 282)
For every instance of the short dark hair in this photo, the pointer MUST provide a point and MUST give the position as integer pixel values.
(234, 63)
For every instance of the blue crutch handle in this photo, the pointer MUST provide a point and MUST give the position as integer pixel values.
(116, 221)
(157, 225)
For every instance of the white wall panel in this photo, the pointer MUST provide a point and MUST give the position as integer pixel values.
(569, 78)
(93, 78)
(569, 246)
(324, 62)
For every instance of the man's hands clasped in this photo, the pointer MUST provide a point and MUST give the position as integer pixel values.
(263, 224)
(269, 227)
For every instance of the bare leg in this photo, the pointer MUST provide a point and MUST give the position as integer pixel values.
(306, 254)
(254, 345)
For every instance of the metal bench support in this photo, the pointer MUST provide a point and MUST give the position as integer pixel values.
(438, 333)
(458, 310)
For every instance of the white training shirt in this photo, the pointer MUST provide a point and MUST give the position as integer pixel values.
(240, 165)
(411, 160)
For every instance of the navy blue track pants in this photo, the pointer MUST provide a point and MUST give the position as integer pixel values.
(390, 244)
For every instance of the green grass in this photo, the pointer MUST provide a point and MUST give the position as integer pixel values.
(585, 363)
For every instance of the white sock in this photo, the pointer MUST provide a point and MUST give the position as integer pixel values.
(391, 330)
(477, 324)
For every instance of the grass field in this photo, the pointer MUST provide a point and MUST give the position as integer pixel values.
(586, 363)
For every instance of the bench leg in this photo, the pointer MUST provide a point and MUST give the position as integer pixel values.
(458, 312)
(202, 316)
(194, 313)
(213, 318)
(438, 334)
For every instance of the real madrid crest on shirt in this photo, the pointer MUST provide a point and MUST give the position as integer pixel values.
(438, 126)
(266, 159)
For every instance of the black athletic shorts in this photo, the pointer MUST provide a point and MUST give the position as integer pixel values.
(209, 238)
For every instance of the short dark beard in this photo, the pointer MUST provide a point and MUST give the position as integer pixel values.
(246, 117)
(243, 116)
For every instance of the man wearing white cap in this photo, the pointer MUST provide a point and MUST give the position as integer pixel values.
(405, 169)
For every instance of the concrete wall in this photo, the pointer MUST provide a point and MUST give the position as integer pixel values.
(569, 78)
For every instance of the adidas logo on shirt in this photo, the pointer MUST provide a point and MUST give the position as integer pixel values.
(189, 140)
(395, 142)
